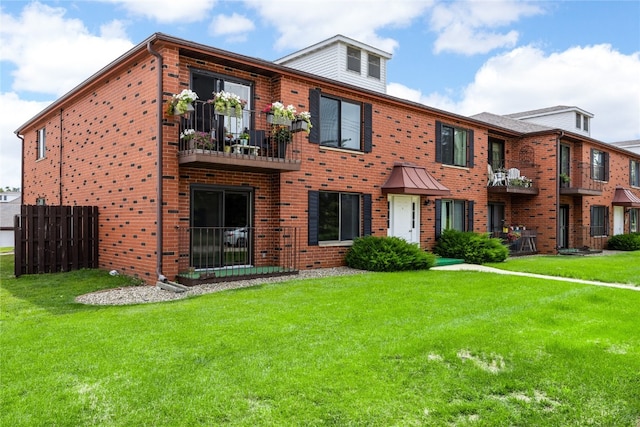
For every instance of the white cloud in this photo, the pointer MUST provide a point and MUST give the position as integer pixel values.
(467, 27)
(597, 79)
(53, 54)
(234, 26)
(302, 24)
(10, 145)
(167, 11)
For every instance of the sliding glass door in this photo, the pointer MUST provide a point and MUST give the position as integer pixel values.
(221, 220)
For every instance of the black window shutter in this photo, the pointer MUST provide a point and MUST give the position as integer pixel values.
(314, 207)
(438, 218)
(438, 142)
(606, 221)
(605, 159)
(366, 214)
(470, 149)
(368, 128)
(470, 215)
(314, 110)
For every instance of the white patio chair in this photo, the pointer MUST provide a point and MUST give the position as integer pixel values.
(512, 173)
(490, 175)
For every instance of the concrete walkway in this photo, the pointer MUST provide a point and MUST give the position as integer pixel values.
(482, 268)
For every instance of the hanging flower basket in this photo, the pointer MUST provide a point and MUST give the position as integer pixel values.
(278, 114)
(302, 122)
(227, 104)
(299, 126)
(180, 103)
(272, 119)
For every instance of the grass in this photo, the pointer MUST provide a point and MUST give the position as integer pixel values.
(624, 267)
(415, 348)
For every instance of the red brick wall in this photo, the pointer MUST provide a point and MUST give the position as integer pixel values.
(108, 133)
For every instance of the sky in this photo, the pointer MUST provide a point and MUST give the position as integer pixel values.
(465, 57)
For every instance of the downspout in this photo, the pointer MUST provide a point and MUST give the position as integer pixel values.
(60, 181)
(159, 244)
(558, 151)
(21, 138)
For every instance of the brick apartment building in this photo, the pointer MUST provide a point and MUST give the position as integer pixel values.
(371, 164)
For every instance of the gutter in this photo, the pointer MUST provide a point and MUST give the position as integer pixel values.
(159, 222)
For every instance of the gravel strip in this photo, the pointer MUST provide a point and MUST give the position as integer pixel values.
(147, 294)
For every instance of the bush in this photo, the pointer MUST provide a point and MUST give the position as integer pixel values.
(474, 248)
(387, 254)
(624, 242)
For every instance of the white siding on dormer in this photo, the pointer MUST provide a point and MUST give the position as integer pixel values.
(321, 62)
(331, 62)
(560, 120)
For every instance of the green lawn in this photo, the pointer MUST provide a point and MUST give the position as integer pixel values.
(623, 267)
(427, 348)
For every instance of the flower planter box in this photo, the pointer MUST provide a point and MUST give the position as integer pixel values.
(273, 120)
(299, 126)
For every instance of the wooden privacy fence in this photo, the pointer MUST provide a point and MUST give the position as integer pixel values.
(50, 239)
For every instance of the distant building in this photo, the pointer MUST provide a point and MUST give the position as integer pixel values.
(9, 196)
(572, 119)
(10, 202)
(633, 145)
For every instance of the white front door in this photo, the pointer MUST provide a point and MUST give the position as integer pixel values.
(404, 217)
(618, 220)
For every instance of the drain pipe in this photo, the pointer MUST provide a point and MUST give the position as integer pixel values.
(21, 138)
(558, 165)
(61, 159)
(159, 244)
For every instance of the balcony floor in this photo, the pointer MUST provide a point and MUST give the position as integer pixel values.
(208, 159)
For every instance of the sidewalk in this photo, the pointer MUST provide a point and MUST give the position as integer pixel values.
(482, 268)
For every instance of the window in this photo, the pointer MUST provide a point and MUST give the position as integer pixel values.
(599, 165)
(634, 214)
(353, 59)
(454, 146)
(374, 66)
(338, 217)
(634, 173)
(599, 221)
(453, 214)
(582, 122)
(41, 141)
(339, 123)
(205, 83)
(496, 153)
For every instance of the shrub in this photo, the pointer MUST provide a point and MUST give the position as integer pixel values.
(387, 254)
(625, 242)
(474, 248)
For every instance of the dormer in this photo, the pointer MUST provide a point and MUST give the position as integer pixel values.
(343, 59)
(572, 119)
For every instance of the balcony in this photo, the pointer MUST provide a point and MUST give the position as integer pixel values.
(580, 182)
(248, 143)
(519, 241)
(516, 179)
(223, 254)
